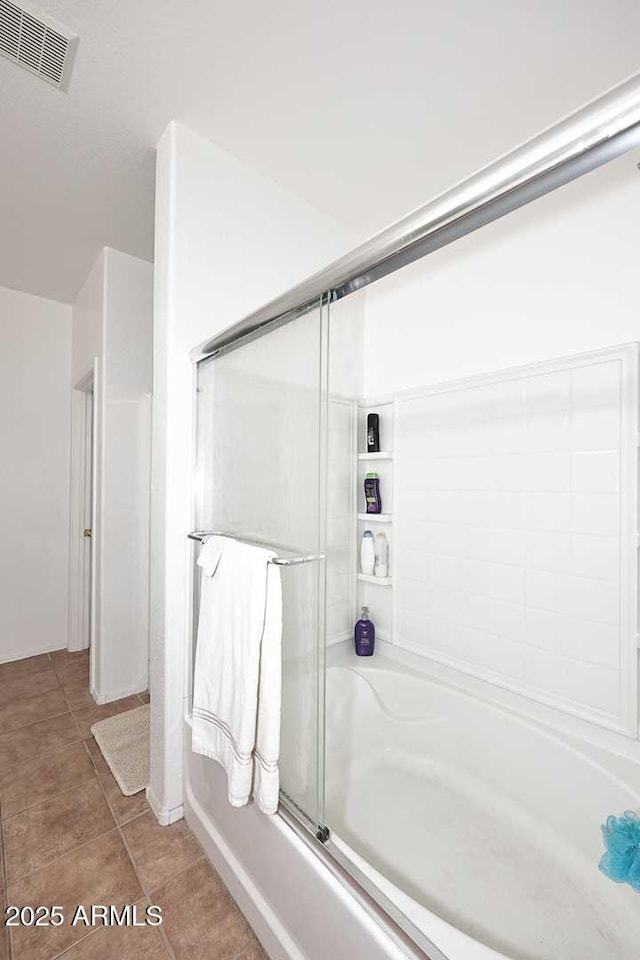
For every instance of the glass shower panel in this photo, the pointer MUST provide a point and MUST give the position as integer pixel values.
(345, 388)
(259, 477)
(464, 789)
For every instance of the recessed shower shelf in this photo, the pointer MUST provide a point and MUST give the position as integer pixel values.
(379, 581)
(385, 455)
(376, 517)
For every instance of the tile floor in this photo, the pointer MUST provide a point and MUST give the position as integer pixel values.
(68, 836)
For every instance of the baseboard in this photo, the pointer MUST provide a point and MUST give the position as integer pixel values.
(267, 925)
(22, 655)
(139, 687)
(164, 817)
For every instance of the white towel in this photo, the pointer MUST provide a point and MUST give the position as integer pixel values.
(237, 679)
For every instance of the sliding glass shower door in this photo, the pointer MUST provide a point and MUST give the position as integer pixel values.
(261, 425)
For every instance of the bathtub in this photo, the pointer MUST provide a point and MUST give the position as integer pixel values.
(480, 826)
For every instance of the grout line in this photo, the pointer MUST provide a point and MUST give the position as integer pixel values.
(225, 892)
(53, 796)
(62, 687)
(146, 895)
(165, 938)
(77, 726)
(76, 943)
(138, 816)
(92, 933)
(516, 565)
(60, 748)
(518, 640)
(102, 775)
(91, 757)
(84, 707)
(37, 756)
(5, 931)
(75, 849)
(39, 720)
(67, 853)
(30, 696)
(32, 723)
(174, 876)
(72, 671)
(123, 823)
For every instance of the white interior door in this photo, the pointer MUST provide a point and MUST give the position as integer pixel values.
(81, 601)
(87, 507)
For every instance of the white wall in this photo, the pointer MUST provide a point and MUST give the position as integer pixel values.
(88, 322)
(113, 323)
(555, 278)
(227, 240)
(35, 353)
(129, 326)
(122, 666)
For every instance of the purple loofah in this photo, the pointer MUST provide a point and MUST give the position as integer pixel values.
(621, 837)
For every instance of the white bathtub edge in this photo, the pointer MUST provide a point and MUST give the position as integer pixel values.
(265, 922)
(447, 939)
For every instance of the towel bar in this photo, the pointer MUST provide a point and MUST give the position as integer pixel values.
(201, 535)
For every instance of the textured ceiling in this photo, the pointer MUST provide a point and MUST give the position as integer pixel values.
(364, 108)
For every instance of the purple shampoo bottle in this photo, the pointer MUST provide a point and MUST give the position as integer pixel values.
(365, 635)
(372, 496)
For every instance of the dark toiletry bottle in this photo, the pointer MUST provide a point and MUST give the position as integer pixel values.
(372, 493)
(364, 635)
(373, 433)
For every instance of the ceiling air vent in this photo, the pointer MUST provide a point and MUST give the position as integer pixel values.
(37, 43)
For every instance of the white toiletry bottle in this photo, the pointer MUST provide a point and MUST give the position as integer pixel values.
(367, 553)
(381, 566)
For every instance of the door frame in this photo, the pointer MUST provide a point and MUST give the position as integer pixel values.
(82, 581)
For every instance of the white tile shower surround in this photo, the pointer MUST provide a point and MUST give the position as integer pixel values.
(516, 528)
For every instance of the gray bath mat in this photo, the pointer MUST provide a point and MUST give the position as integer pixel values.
(124, 743)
